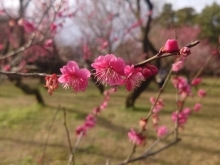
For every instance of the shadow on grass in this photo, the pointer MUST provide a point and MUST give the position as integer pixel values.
(102, 121)
(87, 150)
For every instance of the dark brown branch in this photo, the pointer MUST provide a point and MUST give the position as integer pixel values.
(15, 74)
(146, 155)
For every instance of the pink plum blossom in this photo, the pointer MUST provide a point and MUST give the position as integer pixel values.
(149, 70)
(74, 77)
(109, 69)
(134, 77)
(136, 138)
(196, 81)
(28, 26)
(146, 73)
(181, 116)
(158, 106)
(182, 85)
(48, 43)
(162, 131)
(201, 93)
(80, 130)
(185, 51)
(171, 46)
(197, 107)
(177, 66)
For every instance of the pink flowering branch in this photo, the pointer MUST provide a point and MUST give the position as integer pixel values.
(159, 55)
(147, 153)
(182, 102)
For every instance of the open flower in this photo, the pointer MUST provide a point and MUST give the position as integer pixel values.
(134, 77)
(109, 69)
(74, 77)
(136, 138)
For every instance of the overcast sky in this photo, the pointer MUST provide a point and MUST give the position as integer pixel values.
(198, 5)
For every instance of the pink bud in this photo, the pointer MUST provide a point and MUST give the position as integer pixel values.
(153, 69)
(185, 51)
(197, 107)
(146, 73)
(201, 93)
(162, 131)
(171, 46)
(196, 81)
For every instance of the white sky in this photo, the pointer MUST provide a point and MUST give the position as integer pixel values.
(198, 5)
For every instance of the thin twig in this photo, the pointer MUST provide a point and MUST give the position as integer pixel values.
(15, 74)
(146, 155)
(48, 136)
(77, 142)
(158, 55)
(132, 152)
(71, 158)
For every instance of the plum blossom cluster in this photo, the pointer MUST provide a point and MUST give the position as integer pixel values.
(181, 84)
(177, 66)
(136, 138)
(113, 71)
(181, 117)
(157, 106)
(109, 70)
(172, 46)
(90, 120)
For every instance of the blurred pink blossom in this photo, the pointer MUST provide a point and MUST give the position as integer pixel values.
(28, 26)
(162, 131)
(48, 43)
(182, 85)
(196, 81)
(158, 106)
(136, 138)
(197, 107)
(201, 93)
(181, 117)
(177, 66)
(185, 51)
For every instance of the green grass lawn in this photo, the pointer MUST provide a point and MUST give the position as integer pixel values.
(24, 127)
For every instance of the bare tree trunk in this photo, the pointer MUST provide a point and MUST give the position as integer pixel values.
(147, 47)
(28, 90)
